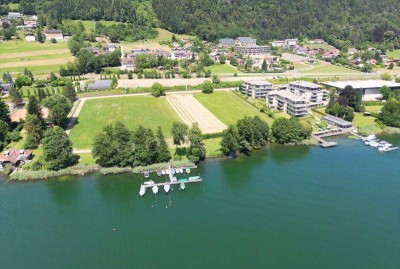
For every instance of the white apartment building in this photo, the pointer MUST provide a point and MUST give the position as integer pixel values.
(253, 50)
(256, 89)
(291, 103)
(312, 93)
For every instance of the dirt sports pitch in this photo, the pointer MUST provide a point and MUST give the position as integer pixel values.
(190, 110)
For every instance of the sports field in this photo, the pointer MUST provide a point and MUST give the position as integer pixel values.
(132, 111)
(41, 59)
(229, 108)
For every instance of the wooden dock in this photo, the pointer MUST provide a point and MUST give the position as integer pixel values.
(325, 144)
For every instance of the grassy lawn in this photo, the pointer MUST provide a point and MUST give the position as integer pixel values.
(393, 54)
(36, 70)
(299, 66)
(375, 109)
(148, 111)
(228, 107)
(86, 158)
(329, 69)
(317, 46)
(15, 46)
(218, 68)
(213, 146)
(63, 55)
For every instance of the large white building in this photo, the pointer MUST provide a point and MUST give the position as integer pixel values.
(256, 89)
(369, 88)
(253, 49)
(313, 93)
(298, 98)
(284, 100)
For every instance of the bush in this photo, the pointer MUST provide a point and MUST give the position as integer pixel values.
(14, 136)
(115, 170)
(62, 83)
(207, 87)
(53, 40)
(78, 170)
(157, 90)
(7, 169)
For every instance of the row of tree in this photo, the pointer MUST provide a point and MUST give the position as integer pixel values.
(345, 104)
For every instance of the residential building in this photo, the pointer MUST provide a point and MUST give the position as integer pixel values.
(127, 64)
(253, 50)
(161, 52)
(110, 47)
(313, 93)
(30, 24)
(302, 51)
(370, 88)
(54, 33)
(14, 16)
(30, 37)
(278, 43)
(316, 41)
(256, 89)
(15, 156)
(291, 42)
(133, 52)
(341, 123)
(182, 54)
(99, 85)
(226, 42)
(286, 101)
(352, 51)
(245, 41)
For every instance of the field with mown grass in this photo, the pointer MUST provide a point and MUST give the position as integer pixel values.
(41, 59)
(393, 54)
(218, 68)
(132, 111)
(229, 108)
(329, 69)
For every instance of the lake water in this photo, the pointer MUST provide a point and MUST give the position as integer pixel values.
(286, 207)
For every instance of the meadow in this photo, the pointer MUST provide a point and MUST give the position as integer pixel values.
(218, 69)
(132, 111)
(329, 69)
(229, 108)
(41, 59)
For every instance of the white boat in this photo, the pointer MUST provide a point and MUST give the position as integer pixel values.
(146, 174)
(167, 188)
(155, 189)
(181, 169)
(150, 182)
(182, 186)
(371, 137)
(173, 171)
(163, 172)
(159, 173)
(374, 144)
(142, 190)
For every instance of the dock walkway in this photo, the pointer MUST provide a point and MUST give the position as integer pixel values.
(325, 144)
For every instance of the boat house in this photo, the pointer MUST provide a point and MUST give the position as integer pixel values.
(15, 156)
(341, 123)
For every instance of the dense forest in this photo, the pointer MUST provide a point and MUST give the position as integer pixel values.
(340, 22)
(357, 21)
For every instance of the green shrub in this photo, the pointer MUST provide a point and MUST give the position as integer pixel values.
(78, 170)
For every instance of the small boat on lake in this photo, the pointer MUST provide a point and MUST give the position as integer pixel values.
(142, 190)
(159, 173)
(188, 170)
(181, 169)
(173, 171)
(182, 186)
(155, 189)
(163, 172)
(146, 174)
(167, 188)
(150, 182)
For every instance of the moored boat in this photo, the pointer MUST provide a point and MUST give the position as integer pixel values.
(142, 190)
(155, 189)
(163, 172)
(188, 170)
(150, 182)
(146, 174)
(182, 186)
(167, 188)
(159, 173)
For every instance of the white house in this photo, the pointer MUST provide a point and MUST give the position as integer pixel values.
(30, 37)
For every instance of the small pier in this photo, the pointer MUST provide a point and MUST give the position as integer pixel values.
(319, 136)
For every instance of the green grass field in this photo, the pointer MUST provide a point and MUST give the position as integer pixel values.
(393, 54)
(218, 68)
(317, 46)
(329, 69)
(149, 111)
(228, 107)
(375, 109)
(41, 59)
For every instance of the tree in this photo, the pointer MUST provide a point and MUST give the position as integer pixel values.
(59, 107)
(222, 59)
(157, 89)
(16, 97)
(4, 112)
(75, 44)
(264, 66)
(390, 114)
(290, 131)
(207, 87)
(39, 35)
(179, 133)
(33, 107)
(386, 92)
(69, 91)
(350, 97)
(4, 128)
(230, 140)
(57, 149)
(34, 129)
(349, 114)
(163, 153)
(197, 149)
